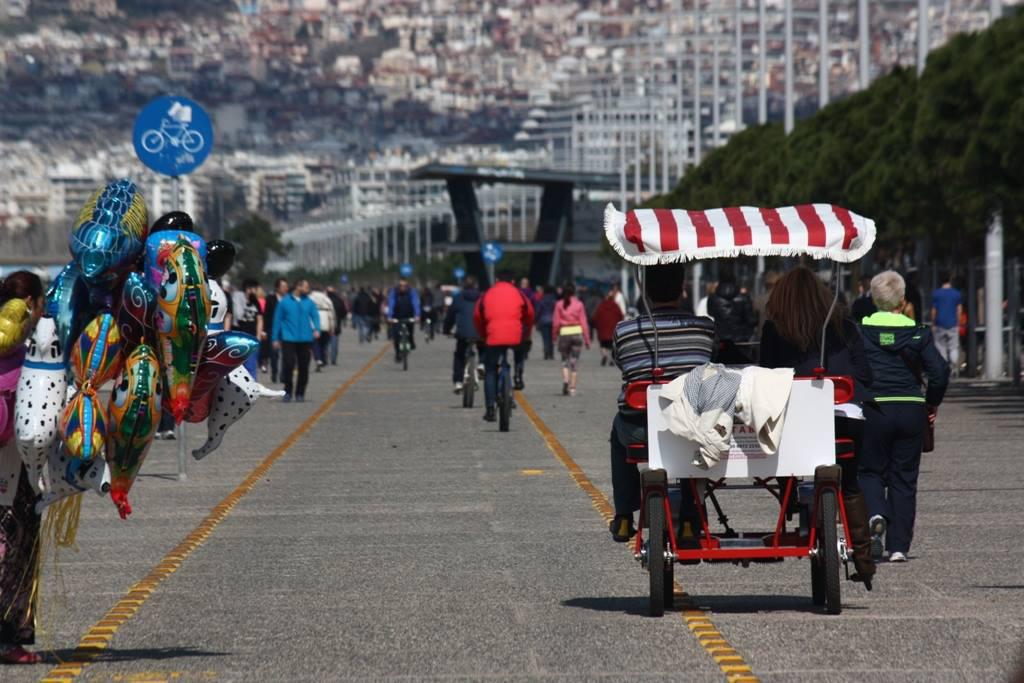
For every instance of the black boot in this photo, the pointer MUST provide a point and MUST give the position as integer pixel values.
(489, 415)
(857, 518)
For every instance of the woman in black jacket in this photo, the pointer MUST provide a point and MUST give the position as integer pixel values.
(791, 338)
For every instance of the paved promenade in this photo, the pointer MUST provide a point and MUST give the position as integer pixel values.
(381, 531)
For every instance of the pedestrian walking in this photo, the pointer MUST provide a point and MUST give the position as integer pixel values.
(19, 523)
(607, 316)
(947, 307)
(296, 327)
(572, 332)
(325, 309)
(273, 354)
(363, 309)
(545, 317)
(796, 313)
(246, 317)
(910, 379)
(340, 314)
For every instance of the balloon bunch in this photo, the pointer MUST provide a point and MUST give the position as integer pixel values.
(132, 307)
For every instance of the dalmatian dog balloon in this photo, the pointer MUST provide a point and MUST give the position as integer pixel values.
(40, 399)
(95, 475)
(232, 399)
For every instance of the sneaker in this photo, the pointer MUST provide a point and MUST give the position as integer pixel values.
(519, 385)
(897, 557)
(490, 415)
(480, 373)
(458, 387)
(299, 398)
(170, 435)
(604, 361)
(877, 525)
(287, 398)
(572, 392)
(621, 528)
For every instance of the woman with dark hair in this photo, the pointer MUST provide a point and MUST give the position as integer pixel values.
(19, 523)
(796, 316)
(569, 329)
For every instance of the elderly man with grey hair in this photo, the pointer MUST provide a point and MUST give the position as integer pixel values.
(910, 381)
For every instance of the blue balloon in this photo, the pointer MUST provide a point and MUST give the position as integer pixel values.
(67, 302)
(108, 236)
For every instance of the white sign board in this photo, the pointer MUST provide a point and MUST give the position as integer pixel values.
(808, 440)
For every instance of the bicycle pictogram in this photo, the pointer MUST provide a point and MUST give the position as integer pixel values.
(174, 131)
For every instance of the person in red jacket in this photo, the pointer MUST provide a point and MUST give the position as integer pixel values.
(606, 317)
(501, 315)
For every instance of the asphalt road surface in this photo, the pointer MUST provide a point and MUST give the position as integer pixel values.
(400, 536)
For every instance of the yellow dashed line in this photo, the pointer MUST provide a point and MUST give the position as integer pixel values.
(99, 636)
(729, 661)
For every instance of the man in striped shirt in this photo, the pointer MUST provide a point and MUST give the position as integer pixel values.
(684, 341)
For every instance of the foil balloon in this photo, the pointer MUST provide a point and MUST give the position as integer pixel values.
(96, 357)
(67, 302)
(135, 314)
(218, 307)
(134, 415)
(159, 246)
(220, 256)
(232, 399)
(109, 234)
(175, 220)
(83, 429)
(39, 404)
(183, 311)
(10, 371)
(223, 353)
(69, 480)
(14, 325)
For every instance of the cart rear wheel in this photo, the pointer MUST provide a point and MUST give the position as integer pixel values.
(660, 577)
(828, 552)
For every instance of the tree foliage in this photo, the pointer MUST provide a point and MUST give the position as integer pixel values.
(933, 157)
(255, 239)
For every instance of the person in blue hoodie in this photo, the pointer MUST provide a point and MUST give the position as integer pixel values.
(910, 380)
(296, 325)
(403, 309)
(460, 319)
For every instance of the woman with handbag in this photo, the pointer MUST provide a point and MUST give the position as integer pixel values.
(910, 380)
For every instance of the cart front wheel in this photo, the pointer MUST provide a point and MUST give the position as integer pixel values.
(660, 578)
(828, 552)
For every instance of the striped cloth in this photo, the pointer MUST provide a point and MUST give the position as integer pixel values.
(716, 392)
(684, 342)
(650, 236)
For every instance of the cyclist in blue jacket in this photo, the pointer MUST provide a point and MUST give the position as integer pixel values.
(403, 306)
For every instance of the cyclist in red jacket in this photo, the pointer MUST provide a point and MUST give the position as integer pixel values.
(500, 317)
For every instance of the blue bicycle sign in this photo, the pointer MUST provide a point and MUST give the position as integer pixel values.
(173, 135)
(491, 252)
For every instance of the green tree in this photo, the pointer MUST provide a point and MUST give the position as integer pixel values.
(255, 239)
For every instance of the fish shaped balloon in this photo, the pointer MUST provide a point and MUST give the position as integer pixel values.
(39, 403)
(133, 417)
(14, 325)
(110, 233)
(96, 356)
(159, 246)
(232, 399)
(68, 303)
(223, 353)
(183, 311)
(135, 314)
(10, 372)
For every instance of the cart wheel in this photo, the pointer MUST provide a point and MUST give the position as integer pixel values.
(504, 406)
(656, 555)
(467, 393)
(828, 552)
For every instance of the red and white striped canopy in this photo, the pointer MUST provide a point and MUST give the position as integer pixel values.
(651, 236)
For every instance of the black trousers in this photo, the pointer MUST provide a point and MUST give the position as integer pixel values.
(295, 355)
(889, 467)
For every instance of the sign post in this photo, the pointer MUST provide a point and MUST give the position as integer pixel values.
(173, 136)
(491, 253)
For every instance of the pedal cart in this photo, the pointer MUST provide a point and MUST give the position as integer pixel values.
(802, 475)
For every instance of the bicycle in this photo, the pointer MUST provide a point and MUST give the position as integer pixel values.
(177, 134)
(401, 328)
(469, 375)
(504, 397)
